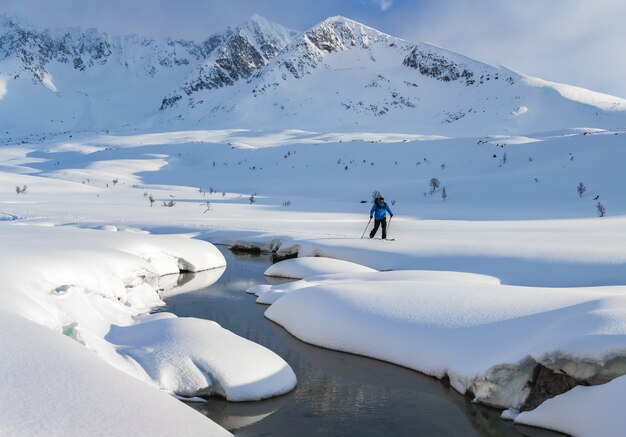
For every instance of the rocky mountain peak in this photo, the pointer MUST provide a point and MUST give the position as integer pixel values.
(338, 33)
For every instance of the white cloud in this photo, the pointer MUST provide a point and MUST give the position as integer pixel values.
(384, 4)
(572, 41)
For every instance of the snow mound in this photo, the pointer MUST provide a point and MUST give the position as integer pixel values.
(486, 337)
(298, 268)
(83, 395)
(198, 357)
(572, 412)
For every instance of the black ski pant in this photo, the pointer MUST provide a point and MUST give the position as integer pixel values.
(377, 223)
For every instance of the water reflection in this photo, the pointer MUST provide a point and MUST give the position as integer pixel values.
(172, 285)
(338, 394)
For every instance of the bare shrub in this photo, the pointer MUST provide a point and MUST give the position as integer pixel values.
(375, 195)
(434, 184)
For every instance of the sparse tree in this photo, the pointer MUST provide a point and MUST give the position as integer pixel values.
(444, 194)
(503, 159)
(600, 209)
(434, 184)
(375, 195)
(580, 189)
(115, 181)
(287, 203)
(151, 200)
(168, 204)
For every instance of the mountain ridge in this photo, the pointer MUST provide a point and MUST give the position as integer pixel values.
(338, 74)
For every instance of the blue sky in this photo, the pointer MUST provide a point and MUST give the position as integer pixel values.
(580, 42)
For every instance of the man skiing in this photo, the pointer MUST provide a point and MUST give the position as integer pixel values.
(379, 213)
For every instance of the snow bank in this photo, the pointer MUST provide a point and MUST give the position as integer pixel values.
(298, 268)
(53, 386)
(583, 411)
(95, 287)
(486, 337)
(198, 357)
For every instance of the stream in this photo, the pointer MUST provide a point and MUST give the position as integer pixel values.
(338, 394)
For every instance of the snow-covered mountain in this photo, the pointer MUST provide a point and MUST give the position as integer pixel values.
(337, 75)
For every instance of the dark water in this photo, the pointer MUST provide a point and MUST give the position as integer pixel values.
(338, 394)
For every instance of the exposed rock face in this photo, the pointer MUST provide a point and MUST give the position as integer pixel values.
(332, 35)
(234, 55)
(547, 384)
(438, 67)
(84, 49)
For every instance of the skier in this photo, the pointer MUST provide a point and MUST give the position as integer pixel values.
(379, 213)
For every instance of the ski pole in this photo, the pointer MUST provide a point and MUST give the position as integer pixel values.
(368, 225)
(389, 225)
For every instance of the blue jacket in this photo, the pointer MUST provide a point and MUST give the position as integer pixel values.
(380, 210)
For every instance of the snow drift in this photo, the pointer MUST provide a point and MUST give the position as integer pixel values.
(487, 338)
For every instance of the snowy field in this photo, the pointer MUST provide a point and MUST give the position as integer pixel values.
(513, 269)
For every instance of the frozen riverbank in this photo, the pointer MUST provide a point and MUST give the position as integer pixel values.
(486, 338)
(96, 287)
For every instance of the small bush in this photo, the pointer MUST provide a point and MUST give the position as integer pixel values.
(434, 184)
